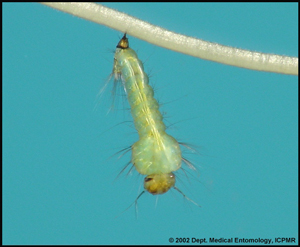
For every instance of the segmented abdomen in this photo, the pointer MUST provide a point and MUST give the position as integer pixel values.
(156, 152)
(144, 108)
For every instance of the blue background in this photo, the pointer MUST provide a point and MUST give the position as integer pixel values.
(59, 179)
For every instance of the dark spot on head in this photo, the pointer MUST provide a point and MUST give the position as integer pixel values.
(148, 179)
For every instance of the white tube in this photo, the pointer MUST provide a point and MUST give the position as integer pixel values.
(180, 43)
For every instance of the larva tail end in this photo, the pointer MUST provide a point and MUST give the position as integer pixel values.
(123, 43)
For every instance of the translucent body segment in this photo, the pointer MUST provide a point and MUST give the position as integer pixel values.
(156, 155)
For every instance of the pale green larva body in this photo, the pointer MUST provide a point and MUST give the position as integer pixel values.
(156, 154)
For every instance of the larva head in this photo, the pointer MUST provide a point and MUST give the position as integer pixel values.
(159, 183)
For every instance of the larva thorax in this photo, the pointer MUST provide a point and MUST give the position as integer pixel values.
(156, 153)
